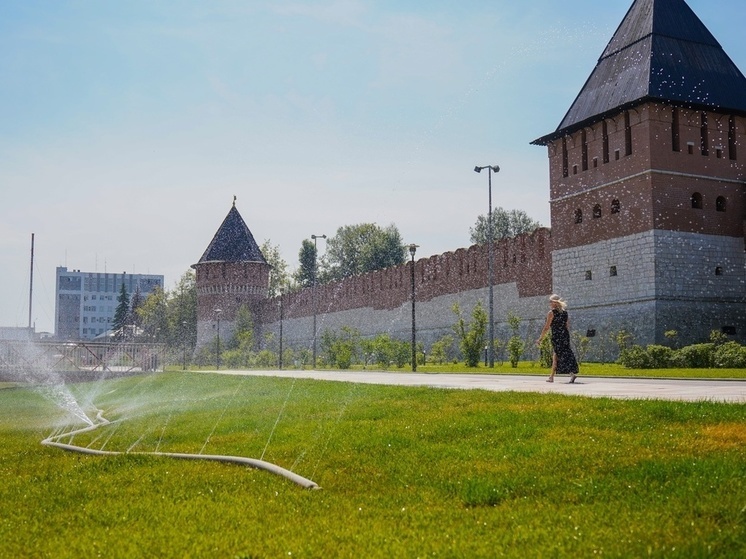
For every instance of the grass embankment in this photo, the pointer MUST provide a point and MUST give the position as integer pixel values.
(406, 472)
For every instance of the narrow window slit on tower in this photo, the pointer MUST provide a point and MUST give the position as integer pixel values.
(704, 135)
(584, 140)
(565, 164)
(732, 138)
(627, 134)
(605, 141)
(675, 138)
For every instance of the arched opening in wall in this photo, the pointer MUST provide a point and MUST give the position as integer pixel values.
(578, 216)
(720, 203)
(596, 211)
(697, 201)
(718, 271)
(615, 206)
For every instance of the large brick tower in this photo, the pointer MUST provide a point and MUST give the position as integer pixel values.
(648, 184)
(231, 273)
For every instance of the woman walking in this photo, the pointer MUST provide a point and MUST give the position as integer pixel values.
(563, 359)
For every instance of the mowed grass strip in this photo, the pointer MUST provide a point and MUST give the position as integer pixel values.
(405, 472)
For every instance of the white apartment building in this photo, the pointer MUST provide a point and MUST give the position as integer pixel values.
(86, 301)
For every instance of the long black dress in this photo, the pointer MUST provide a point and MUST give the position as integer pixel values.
(566, 363)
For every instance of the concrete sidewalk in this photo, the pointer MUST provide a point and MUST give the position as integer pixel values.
(610, 387)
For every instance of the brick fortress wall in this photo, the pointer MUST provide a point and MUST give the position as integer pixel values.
(380, 301)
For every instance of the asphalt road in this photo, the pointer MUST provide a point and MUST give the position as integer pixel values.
(610, 387)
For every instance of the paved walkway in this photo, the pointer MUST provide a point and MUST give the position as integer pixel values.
(611, 387)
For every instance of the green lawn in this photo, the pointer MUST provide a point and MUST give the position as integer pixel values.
(530, 368)
(405, 472)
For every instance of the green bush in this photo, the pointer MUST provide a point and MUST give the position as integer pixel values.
(660, 356)
(730, 355)
(635, 357)
(698, 356)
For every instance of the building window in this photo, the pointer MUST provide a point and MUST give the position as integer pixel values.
(675, 143)
(718, 271)
(584, 140)
(595, 162)
(728, 330)
(704, 135)
(612, 271)
(574, 169)
(719, 153)
(720, 204)
(616, 155)
(578, 216)
(596, 211)
(690, 148)
(627, 134)
(615, 206)
(697, 201)
(588, 275)
(590, 333)
(732, 138)
(565, 164)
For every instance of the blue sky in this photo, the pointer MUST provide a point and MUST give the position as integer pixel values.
(128, 127)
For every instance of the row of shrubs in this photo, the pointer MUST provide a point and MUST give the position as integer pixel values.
(726, 355)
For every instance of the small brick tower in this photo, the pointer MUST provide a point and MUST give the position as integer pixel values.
(648, 184)
(231, 273)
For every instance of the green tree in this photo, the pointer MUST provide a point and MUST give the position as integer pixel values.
(152, 316)
(442, 350)
(505, 224)
(122, 311)
(307, 262)
(516, 346)
(278, 273)
(181, 309)
(471, 337)
(357, 249)
(135, 303)
(340, 349)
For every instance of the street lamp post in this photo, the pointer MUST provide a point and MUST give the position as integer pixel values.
(313, 291)
(217, 353)
(184, 341)
(412, 250)
(280, 357)
(490, 242)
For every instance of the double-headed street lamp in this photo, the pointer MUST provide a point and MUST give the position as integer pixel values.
(313, 291)
(412, 250)
(490, 241)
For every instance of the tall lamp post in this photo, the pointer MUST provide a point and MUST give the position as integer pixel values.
(184, 341)
(217, 353)
(490, 241)
(280, 359)
(412, 250)
(313, 290)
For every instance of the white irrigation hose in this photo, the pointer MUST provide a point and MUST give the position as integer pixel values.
(258, 464)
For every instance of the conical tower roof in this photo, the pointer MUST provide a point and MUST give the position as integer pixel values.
(233, 242)
(660, 52)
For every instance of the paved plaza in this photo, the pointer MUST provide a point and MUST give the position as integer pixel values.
(610, 387)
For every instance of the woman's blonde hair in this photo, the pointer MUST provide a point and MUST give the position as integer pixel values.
(557, 299)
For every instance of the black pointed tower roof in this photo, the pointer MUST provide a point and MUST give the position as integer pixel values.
(660, 52)
(233, 242)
